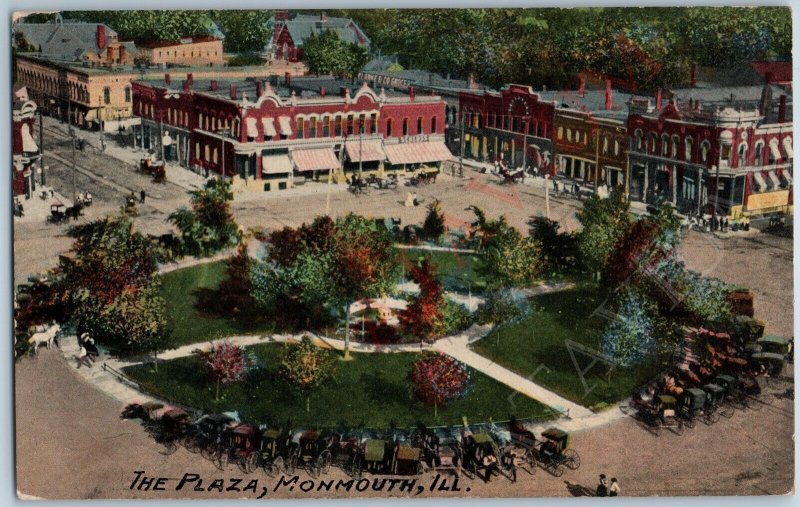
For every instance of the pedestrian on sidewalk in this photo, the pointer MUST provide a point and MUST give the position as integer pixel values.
(142, 195)
(83, 358)
(602, 486)
(614, 490)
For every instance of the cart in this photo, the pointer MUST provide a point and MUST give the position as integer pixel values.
(311, 453)
(481, 453)
(554, 454)
(276, 452)
(243, 446)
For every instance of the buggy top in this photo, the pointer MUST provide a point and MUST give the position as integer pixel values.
(375, 450)
(482, 438)
(696, 397)
(773, 343)
(557, 435)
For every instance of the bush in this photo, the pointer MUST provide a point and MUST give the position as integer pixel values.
(433, 228)
(245, 59)
(502, 306)
(629, 339)
(454, 318)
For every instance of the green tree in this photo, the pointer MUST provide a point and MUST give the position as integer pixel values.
(245, 30)
(209, 226)
(508, 259)
(306, 367)
(433, 228)
(148, 24)
(629, 339)
(604, 222)
(326, 53)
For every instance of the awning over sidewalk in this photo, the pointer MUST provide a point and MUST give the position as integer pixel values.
(269, 126)
(364, 151)
(787, 147)
(252, 127)
(758, 179)
(28, 144)
(286, 125)
(417, 153)
(315, 160)
(276, 164)
(776, 183)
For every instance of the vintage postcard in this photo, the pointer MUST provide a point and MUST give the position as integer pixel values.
(403, 253)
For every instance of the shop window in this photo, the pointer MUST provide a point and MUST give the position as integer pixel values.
(388, 127)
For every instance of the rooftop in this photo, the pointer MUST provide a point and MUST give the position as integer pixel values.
(63, 40)
(152, 44)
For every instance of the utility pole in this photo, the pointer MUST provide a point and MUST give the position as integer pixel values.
(74, 189)
(716, 198)
(461, 157)
(360, 149)
(161, 133)
(41, 147)
(525, 143)
(547, 195)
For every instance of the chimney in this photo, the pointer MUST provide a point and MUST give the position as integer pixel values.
(782, 110)
(693, 78)
(658, 99)
(322, 91)
(258, 88)
(167, 78)
(121, 53)
(101, 36)
(213, 85)
(582, 85)
(287, 79)
(411, 93)
(190, 78)
(608, 95)
(186, 85)
(233, 92)
(766, 98)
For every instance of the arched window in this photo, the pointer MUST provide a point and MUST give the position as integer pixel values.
(653, 142)
(560, 133)
(215, 157)
(773, 151)
(664, 145)
(742, 153)
(675, 141)
(788, 151)
(312, 127)
(197, 151)
(433, 125)
(639, 139)
(605, 145)
(705, 148)
(689, 149)
(569, 135)
(758, 158)
(616, 146)
(208, 156)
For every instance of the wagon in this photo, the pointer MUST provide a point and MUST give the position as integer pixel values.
(408, 460)
(715, 402)
(275, 452)
(378, 455)
(691, 407)
(209, 434)
(774, 344)
(173, 426)
(554, 453)
(769, 362)
(481, 452)
(243, 446)
(311, 453)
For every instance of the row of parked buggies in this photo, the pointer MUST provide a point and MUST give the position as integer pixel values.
(481, 451)
(675, 402)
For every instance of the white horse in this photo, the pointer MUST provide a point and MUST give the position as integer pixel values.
(44, 335)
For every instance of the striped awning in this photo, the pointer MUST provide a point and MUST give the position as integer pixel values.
(759, 181)
(269, 126)
(28, 144)
(364, 151)
(417, 153)
(776, 153)
(286, 125)
(787, 176)
(787, 147)
(276, 164)
(315, 160)
(776, 183)
(252, 127)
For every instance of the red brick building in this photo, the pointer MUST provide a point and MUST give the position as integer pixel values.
(270, 132)
(291, 30)
(696, 147)
(24, 149)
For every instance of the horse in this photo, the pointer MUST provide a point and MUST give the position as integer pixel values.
(74, 211)
(44, 336)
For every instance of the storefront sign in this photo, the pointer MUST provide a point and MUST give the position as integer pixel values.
(767, 200)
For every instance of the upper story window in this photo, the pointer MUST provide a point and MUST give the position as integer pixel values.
(689, 149)
(107, 95)
(653, 142)
(560, 133)
(373, 123)
(388, 127)
(705, 148)
(639, 139)
(675, 140)
(405, 126)
(312, 127)
(420, 130)
(326, 126)
(742, 154)
(758, 159)
(433, 125)
(301, 125)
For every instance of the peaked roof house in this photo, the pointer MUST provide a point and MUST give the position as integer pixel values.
(290, 31)
(95, 44)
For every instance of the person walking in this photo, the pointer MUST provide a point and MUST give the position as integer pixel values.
(142, 195)
(602, 486)
(614, 489)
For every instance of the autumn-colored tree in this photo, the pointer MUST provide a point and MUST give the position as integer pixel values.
(423, 314)
(437, 379)
(306, 366)
(633, 255)
(227, 363)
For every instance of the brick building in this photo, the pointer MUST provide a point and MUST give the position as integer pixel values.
(24, 149)
(201, 50)
(269, 134)
(694, 147)
(289, 31)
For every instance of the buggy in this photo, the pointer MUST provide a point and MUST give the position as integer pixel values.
(311, 453)
(57, 214)
(524, 440)
(554, 453)
(768, 362)
(378, 455)
(243, 446)
(774, 344)
(173, 426)
(439, 451)
(715, 403)
(345, 452)
(692, 406)
(481, 452)
(276, 450)
(408, 460)
(208, 434)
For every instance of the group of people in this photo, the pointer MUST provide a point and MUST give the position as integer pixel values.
(88, 350)
(606, 489)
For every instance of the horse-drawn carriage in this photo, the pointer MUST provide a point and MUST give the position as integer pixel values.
(378, 455)
(209, 436)
(481, 453)
(692, 407)
(171, 426)
(715, 402)
(440, 450)
(512, 177)
(243, 448)
(276, 452)
(57, 214)
(554, 454)
(422, 178)
(310, 452)
(156, 169)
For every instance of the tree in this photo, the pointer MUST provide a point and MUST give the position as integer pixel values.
(245, 30)
(629, 339)
(111, 286)
(433, 228)
(558, 250)
(438, 379)
(227, 363)
(209, 226)
(306, 367)
(235, 289)
(604, 222)
(326, 53)
(148, 24)
(422, 317)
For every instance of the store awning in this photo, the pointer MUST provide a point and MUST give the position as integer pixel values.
(364, 151)
(776, 183)
(776, 153)
(758, 179)
(417, 153)
(276, 164)
(787, 147)
(269, 127)
(286, 125)
(91, 115)
(28, 144)
(252, 127)
(787, 176)
(315, 160)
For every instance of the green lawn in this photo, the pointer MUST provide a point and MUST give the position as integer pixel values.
(541, 339)
(457, 270)
(370, 390)
(181, 288)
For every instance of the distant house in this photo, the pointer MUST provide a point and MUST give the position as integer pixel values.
(777, 73)
(92, 44)
(289, 33)
(202, 50)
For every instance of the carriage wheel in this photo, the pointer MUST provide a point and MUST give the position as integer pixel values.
(209, 452)
(275, 467)
(315, 468)
(727, 412)
(170, 447)
(251, 462)
(690, 422)
(752, 403)
(558, 470)
(192, 443)
(530, 458)
(221, 458)
(572, 459)
(355, 468)
(678, 428)
(291, 465)
(325, 459)
(712, 418)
